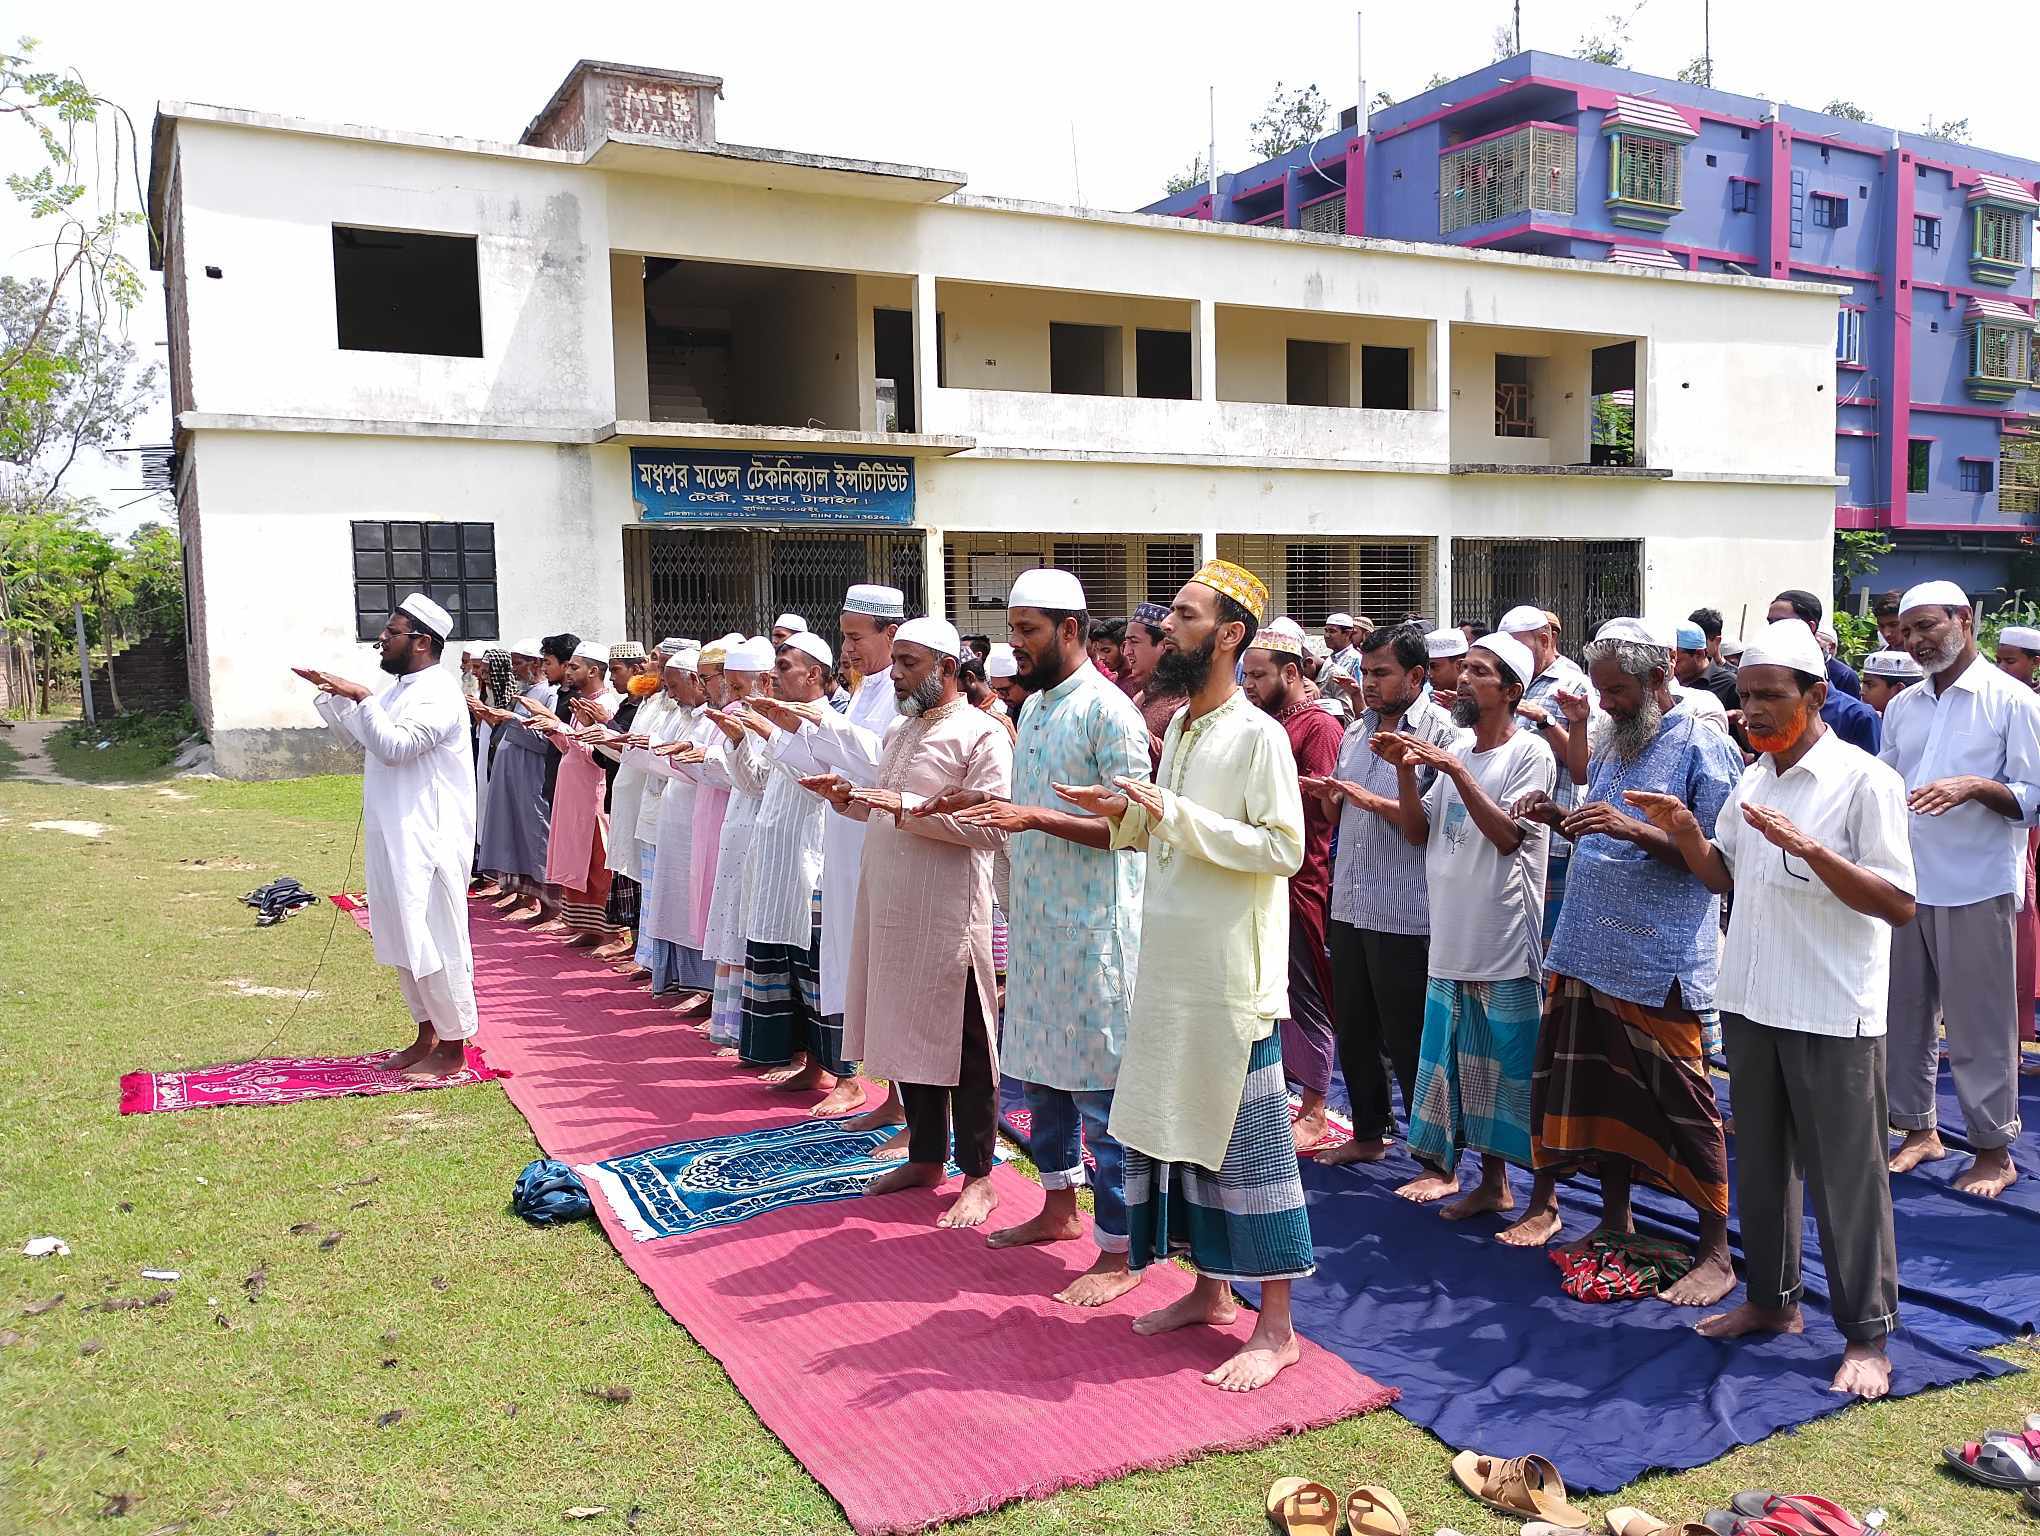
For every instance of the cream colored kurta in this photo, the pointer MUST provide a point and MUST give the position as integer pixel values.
(1214, 934)
(626, 790)
(924, 902)
(666, 824)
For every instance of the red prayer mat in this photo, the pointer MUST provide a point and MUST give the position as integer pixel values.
(283, 1080)
(918, 1376)
(355, 906)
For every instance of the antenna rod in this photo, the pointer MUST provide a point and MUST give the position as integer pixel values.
(1211, 165)
(1360, 67)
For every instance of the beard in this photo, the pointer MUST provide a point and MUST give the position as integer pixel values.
(1631, 735)
(1465, 712)
(1786, 738)
(1943, 657)
(1185, 672)
(394, 665)
(924, 698)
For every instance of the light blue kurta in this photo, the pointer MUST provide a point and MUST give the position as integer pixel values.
(1073, 925)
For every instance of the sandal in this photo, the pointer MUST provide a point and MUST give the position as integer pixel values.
(1372, 1510)
(1630, 1521)
(1300, 1507)
(2000, 1460)
(1799, 1514)
(1526, 1486)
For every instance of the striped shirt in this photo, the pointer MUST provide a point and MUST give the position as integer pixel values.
(1378, 881)
(785, 861)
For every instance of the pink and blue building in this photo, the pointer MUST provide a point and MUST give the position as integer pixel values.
(1937, 364)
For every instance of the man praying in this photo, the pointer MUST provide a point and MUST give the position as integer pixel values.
(577, 855)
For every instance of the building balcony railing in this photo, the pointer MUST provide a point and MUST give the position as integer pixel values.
(1531, 169)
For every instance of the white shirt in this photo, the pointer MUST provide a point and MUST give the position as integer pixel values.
(1701, 705)
(786, 852)
(1985, 724)
(1796, 956)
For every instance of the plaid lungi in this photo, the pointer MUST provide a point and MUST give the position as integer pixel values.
(782, 1006)
(1473, 1070)
(1247, 1221)
(1617, 1079)
(726, 1006)
(621, 910)
(586, 910)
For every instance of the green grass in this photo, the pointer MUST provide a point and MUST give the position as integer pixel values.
(239, 1415)
(142, 746)
(10, 758)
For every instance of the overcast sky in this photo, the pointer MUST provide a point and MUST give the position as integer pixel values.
(1030, 101)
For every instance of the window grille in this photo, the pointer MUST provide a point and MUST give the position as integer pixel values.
(1998, 235)
(1919, 464)
(1327, 216)
(1168, 567)
(454, 564)
(1976, 478)
(1533, 168)
(1310, 577)
(1648, 170)
(2019, 475)
(1586, 582)
(1999, 352)
(1116, 570)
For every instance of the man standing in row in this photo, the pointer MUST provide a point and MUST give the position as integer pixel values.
(418, 827)
(1201, 1106)
(577, 857)
(1846, 715)
(1141, 649)
(1966, 739)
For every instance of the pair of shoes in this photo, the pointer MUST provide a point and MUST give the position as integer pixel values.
(1757, 1512)
(277, 900)
(1300, 1507)
(1628, 1521)
(1524, 1486)
(2003, 1458)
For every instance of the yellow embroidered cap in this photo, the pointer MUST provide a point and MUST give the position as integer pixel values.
(1237, 583)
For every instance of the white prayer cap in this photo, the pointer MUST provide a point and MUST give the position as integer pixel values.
(686, 659)
(731, 641)
(875, 601)
(2018, 635)
(674, 643)
(813, 645)
(589, 650)
(428, 613)
(1731, 648)
(1511, 653)
(1049, 589)
(1338, 621)
(475, 651)
(792, 621)
(1787, 643)
(1640, 632)
(1002, 662)
(1444, 643)
(753, 655)
(1944, 594)
(530, 645)
(1521, 621)
(938, 635)
(1899, 664)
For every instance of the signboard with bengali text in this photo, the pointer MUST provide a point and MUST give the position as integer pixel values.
(716, 486)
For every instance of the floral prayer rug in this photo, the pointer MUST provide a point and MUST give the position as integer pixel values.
(690, 1186)
(284, 1080)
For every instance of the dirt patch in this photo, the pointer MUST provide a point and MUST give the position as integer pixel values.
(241, 986)
(75, 828)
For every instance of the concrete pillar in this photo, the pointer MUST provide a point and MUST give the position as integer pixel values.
(1207, 545)
(1204, 355)
(932, 583)
(627, 336)
(927, 408)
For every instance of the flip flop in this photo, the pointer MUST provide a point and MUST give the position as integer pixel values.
(1627, 1520)
(1800, 1514)
(1371, 1510)
(1300, 1507)
(1997, 1461)
(1521, 1485)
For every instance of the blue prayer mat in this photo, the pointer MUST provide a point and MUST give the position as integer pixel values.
(690, 1186)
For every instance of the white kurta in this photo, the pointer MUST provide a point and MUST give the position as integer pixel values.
(786, 853)
(724, 940)
(665, 825)
(850, 744)
(418, 815)
(626, 790)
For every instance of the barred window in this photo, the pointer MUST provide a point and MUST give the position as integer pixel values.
(1326, 216)
(1999, 235)
(1532, 169)
(454, 564)
(2019, 475)
(1999, 352)
(1648, 170)
(1976, 476)
(1829, 211)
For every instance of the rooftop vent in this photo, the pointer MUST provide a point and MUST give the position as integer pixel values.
(598, 101)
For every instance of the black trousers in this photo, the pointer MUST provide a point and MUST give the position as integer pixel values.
(1378, 983)
(1809, 1116)
(973, 1102)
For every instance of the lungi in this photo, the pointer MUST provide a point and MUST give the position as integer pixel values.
(621, 910)
(782, 1005)
(1617, 1079)
(1473, 1070)
(726, 1006)
(1308, 1041)
(586, 909)
(1247, 1221)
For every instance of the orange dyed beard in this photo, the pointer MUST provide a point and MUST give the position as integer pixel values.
(1784, 742)
(642, 686)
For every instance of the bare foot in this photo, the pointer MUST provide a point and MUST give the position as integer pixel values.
(1355, 1151)
(1102, 1284)
(1259, 1361)
(1748, 1318)
(726, 1052)
(1045, 1227)
(1580, 1245)
(633, 970)
(584, 941)
(1712, 1278)
(1188, 1310)
(1485, 1197)
(444, 1059)
(508, 900)
(524, 913)
(906, 1176)
(614, 951)
(883, 1115)
(1308, 1130)
(693, 1002)
(488, 890)
(1989, 1176)
(801, 1078)
(399, 1061)
(1426, 1187)
(1865, 1371)
(848, 1094)
(1533, 1229)
(970, 1208)
(1917, 1147)
(702, 1028)
(894, 1146)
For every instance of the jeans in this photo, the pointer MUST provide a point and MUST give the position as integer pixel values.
(1058, 1154)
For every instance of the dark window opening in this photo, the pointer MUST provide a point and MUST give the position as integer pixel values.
(1829, 212)
(1513, 417)
(1742, 196)
(892, 351)
(1161, 364)
(941, 351)
(1385, 378)
(1309, 576)
(1320, 373)
(454, 564)
(1927, 231)
(1918, 461)
(395, 291)
(1083, 359)
(1976, 476)
(1169, 566)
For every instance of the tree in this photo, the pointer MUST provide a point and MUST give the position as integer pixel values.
(1955, 130)
(88, 396)
(1289, 120)
(1607, 46)
(1504, 43)
(1195, 174)
(1857, 553)
(1699, 72)
(1840, 107)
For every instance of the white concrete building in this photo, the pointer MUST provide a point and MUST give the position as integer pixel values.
(621, 379)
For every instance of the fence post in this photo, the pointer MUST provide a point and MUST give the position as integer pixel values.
(84, 662)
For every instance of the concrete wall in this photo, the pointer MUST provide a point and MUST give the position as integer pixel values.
(996, 336)
(1253, 350)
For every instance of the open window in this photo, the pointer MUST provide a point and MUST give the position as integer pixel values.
(400, 291)
(1320, 373)
(1084, 359)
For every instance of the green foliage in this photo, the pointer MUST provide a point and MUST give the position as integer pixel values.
(56, 558)
(1195, 174)
(1988, 624)
(76, 388)
(1955, 130)
(1290, 119)
(1607, 46)
(1857, 553)
(1699, 72)
(1856, 636)
(138, 745)
(1614, 426)
(1840, 107)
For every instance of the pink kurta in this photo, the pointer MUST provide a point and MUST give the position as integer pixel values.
(924, 902)
(580, 827)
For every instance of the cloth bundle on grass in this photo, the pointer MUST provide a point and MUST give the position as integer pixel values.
(548, 1192)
